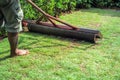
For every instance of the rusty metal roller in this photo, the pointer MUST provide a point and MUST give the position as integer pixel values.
(81, 34)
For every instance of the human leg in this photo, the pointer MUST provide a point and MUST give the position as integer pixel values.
(13, 16)
(13, 40)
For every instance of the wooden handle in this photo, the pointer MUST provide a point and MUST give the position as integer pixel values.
(49, 16)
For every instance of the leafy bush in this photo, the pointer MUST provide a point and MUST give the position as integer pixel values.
(98, 3)
(84, 3)
(64, 6)
(56, 7)
(115, 3)
(101, 3)
(52, 7)
(2, 31)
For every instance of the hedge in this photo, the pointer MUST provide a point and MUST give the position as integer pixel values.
(98, 3)
(53, 7)
(56, 7)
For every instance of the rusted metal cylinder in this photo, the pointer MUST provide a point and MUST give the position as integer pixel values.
(85, 34)
(97, 32)
(57, 25)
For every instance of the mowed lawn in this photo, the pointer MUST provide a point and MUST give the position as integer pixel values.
(57, 58)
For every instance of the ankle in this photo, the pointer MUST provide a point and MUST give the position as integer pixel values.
(13, 54)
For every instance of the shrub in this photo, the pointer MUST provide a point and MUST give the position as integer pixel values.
(56, 7)
(31, 13)
(84, 3)
(115, 3)
(64, 6)
(101, 3)
(2, 31)
(98, 3)
(52, 7)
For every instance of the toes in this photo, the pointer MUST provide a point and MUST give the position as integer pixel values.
(22, 52)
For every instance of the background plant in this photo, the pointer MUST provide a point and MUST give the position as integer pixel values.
(53, 7)
(56, 7)
(83, 3)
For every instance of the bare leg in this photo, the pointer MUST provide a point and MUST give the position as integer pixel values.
(13, 40)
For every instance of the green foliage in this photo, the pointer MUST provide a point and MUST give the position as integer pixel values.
(98, 3)
(84, 3)
(102, 3)
(116, 3)
(56, 7)
(31, 13)
(64, 6)
(52, 7)
(2, 31)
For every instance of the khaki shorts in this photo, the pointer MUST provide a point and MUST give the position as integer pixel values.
(11, 15)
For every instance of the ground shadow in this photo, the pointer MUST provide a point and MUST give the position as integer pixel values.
(54, 44)
(4, 58)
(4, 52)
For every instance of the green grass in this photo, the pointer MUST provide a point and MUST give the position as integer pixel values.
(56, 58)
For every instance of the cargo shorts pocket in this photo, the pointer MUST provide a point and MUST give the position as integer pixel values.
(13, 15)
(13, 12)
(18, 11)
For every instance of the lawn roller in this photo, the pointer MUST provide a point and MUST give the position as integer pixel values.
(64, 29)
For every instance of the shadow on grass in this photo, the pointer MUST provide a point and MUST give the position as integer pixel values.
(103, 12)
(41, 46)
(4, 58)
(33, 36)
(5, 52)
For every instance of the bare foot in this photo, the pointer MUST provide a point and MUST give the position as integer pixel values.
(20, 52)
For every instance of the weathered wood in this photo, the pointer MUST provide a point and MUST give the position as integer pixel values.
(97, 32)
